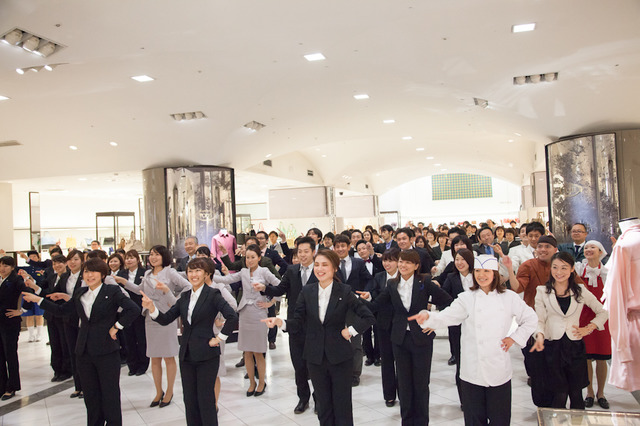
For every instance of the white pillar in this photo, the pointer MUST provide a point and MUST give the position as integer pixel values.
(6, 216)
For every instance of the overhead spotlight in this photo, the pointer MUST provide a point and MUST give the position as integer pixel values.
(31, 44)
(20, 71)
(482, 103)
(535, 78)
(254, 125)
(13, 37)
(188, 116)
(520, 80)
(198, 114)
(48, 67)
(550, 76)
(46, 50)
(177, 117)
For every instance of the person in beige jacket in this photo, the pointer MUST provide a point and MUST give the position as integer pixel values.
(559, 304)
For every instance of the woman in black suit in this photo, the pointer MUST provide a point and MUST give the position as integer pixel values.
(134, 335)
(97, 349)
(408, 294)
(199, 348)
(321, 310)
(455, 284)
(11, 286)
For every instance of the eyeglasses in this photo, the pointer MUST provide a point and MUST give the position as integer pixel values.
(577, 231)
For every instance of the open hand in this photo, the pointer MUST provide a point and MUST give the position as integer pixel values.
(59, 296)
(580, 332)
(12, 313)
(420, 317)
(506, 344)
(507, 262)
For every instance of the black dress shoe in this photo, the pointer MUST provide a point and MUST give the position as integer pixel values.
(452, 360)
(240, 364)
(391, 403)
(355, 381)
(155, 403)
(368, 362)
(258, 393)
(140, 373)
(132, 373)
(377, 362)
(272, 345)
(81, 395)
(8, 395)
(55, 378)
(164, 404)
(63, 377)
(602, 402)
(301, 407)
(75, 394)
(251, 392)
(588, 402)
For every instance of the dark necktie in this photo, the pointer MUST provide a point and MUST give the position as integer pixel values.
(343, 268)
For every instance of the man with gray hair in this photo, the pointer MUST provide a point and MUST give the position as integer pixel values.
(190, 246)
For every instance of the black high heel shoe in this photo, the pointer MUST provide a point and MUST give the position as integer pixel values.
(252, 392)
(260, 392)
(8, 395)
(155, 403)
(164, 404)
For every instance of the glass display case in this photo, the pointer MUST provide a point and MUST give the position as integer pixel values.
(114, 227)
(558, 417)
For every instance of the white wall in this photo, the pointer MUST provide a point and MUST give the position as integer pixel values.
(414, 202)
(6, 217)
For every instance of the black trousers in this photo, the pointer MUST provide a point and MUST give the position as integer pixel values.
(135, 337)
(9, 367)
(273, 332)
(71, 336)
(486, 405)
(454, 342)
(371, 343)
(198, 381)
(358, 355)
(536, 365)
(100, 376)
(296, 348)
(388, 367)
(414, 372)
(332, 390)
(60, 356)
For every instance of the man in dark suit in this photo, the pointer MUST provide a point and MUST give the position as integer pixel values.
(199, 348)
(386, 232)
(97, 349)
(352, 272)
(135, 334)
(373, 262)
(190, 246)
(263, 240)
(576, 247)
(405, 238)
(485, 246)
(293, 281)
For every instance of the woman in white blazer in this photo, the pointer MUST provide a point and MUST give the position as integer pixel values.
(559, 304)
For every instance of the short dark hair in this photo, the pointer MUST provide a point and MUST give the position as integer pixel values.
(316, 231)
(536, 226)
(408, 231)
(164, 252)
(116, 256)
(461, 238)
(266, 236)
(455, 230)
(96, 265)
(391, 254)
(8, 260)
(411, 256)
(96, 241)
(581, 224)
(387, 228)
(307, 240)
(496, 230)
(273, 233)
(54, 249)
(100, 254)
(484, 228)
(74, 252)
(510, 231)
(330, 235)
(353, 231)
(203, 250)
(58, 258)
(342, 239)
(198, 263)
(360, 242)
(524, 225)
(347, 233)
(31, 252)
(252, 238)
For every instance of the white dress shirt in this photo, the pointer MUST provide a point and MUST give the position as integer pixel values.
(192, 302)
(467, 282)
(486, 319)
(323, 300)
(88, 299)
(132, 275)
(71, 283)
(520, 254)
(369, 266)
(445, 259)
(390, 277)
(405, 288)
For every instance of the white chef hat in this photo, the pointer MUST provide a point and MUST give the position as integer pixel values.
(598, 244)
(486, 261)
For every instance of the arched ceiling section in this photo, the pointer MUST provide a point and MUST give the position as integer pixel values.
(422, 63)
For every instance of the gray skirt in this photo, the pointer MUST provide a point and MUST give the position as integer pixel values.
(162, 340)
(252, 333)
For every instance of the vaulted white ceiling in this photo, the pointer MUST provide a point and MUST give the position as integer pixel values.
(421, 62)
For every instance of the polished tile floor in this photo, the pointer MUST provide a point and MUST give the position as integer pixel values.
(42, 403)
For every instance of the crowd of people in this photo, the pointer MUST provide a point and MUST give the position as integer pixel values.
(361, 297)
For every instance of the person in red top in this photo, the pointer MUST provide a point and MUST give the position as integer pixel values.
(598, 343)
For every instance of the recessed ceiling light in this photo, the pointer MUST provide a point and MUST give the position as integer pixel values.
(521, 28)
(429, 158)
(83, 179)
(324, 155)
(437, 164)
(314, 57)
(419, 149)
(3, 98)
(361, 96)
(20, 71)
(407, 138)
(142, 78)
(113, 143)
(267, 156)
(73, 147)
(517, 134)
(388, 121)
(510, 140)
(48, 67)
(443, 170)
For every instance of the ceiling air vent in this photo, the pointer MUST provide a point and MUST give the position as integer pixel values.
(267, 163)
(309, 172)
(9, 143)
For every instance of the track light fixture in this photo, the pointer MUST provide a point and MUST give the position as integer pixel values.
(30, 42)
(184, 116)
(48, 67)
(535, 78)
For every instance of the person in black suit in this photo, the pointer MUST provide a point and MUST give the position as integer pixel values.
(11, 286)
(454, 285)
(293, 281)
(135, 335)
(60, 355)
(190, 246)
(97, 349)
(383, 326)
(386, 233)
(354, 273)
(373, 263)
(485, 246)
(322, 310)
(263, 243)
(405, 237)
(408, 294)
(199, 348)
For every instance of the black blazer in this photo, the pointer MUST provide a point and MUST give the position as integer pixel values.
(277, 260)
(453, 284)
(124, 273)
(385, 312)
(291, 285)
(482, 249)
(359, 278)
(198, 332)
(325, 339)
(181, 264)
(48, 286)
(70, 317)
(424, 292)
(426, 261)
(10, 294)
(382, 247)
(93, 336)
